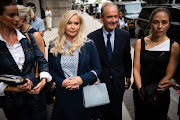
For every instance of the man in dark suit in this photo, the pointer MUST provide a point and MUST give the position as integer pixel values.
(113, 46)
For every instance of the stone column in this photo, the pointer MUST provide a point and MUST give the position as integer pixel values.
(58, 8)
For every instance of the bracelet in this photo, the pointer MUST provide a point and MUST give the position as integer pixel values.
(9, 93)
(6, 90)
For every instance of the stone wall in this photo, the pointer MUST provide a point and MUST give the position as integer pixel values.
(57, 7)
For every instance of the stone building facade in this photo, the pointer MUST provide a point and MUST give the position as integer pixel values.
(58, 8)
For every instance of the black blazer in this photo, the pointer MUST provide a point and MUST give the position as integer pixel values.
(32, 53)
(114, 73)
(70, 102)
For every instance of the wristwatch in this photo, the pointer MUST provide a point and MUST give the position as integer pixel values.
(176, 86)
(44, 78)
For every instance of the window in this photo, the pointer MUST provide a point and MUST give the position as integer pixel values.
(132, 8)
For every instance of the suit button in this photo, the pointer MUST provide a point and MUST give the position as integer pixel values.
(111, 77)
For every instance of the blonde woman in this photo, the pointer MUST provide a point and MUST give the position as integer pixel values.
(73, 63)
(25, 17)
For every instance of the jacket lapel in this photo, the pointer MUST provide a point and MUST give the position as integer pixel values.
(6, 52)
(101, 43)
(115, 43)
(58, 62)
(25, 49)
(81, 58)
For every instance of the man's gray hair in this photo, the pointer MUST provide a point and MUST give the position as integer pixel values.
(107, 4)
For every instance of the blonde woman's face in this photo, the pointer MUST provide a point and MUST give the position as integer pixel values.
(73, 27)
(160, 23)
(20, 23)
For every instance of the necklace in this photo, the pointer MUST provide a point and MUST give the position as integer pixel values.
(26, 31)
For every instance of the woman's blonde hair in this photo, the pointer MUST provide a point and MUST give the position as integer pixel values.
(26, 12)
(61, 40)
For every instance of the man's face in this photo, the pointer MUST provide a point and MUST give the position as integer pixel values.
(110, 18)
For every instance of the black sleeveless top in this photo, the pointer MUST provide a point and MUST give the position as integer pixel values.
(153, 64)
(32, 30)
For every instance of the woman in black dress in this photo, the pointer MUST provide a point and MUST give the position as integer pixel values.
(155, 61)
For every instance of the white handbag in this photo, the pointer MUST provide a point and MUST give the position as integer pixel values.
(95, 95)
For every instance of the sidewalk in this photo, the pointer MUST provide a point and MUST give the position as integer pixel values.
(91, 25)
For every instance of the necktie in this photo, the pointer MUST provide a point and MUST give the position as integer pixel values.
(108, 47)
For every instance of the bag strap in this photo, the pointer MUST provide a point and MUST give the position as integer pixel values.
(96, 75)
(36, 64)
(28, 37)
(142, 45)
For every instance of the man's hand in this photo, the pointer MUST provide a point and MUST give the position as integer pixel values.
(128, 83)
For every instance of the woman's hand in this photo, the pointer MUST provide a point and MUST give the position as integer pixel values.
(25, 87)
(141, 96)
(72, 83)
(38, 87)
(164, 85)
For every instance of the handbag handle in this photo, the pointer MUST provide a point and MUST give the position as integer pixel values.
(98, 80)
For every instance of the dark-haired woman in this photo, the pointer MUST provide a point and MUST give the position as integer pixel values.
(17, 57)
(155, 62)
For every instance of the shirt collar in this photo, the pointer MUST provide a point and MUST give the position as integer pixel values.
(20, 36)
(112, 32)
(35, 19)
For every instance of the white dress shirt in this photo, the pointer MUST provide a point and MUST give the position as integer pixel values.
(17, 53)
(111, 37)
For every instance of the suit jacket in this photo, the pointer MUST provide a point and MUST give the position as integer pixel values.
(32, 53)
(114, 73)
(70, 102)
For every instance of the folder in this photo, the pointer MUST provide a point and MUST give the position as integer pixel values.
(12, 79)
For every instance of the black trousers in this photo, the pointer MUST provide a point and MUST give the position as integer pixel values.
(24, 106)
(113, 111)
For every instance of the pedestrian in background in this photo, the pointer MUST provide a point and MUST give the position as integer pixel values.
(73, 63)
(48, 15)
(37, 22)
(94, 11)
(113, 45)
(155, 62)
(17, 57)
(26, 15)
(122, 22)
(98, 10)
